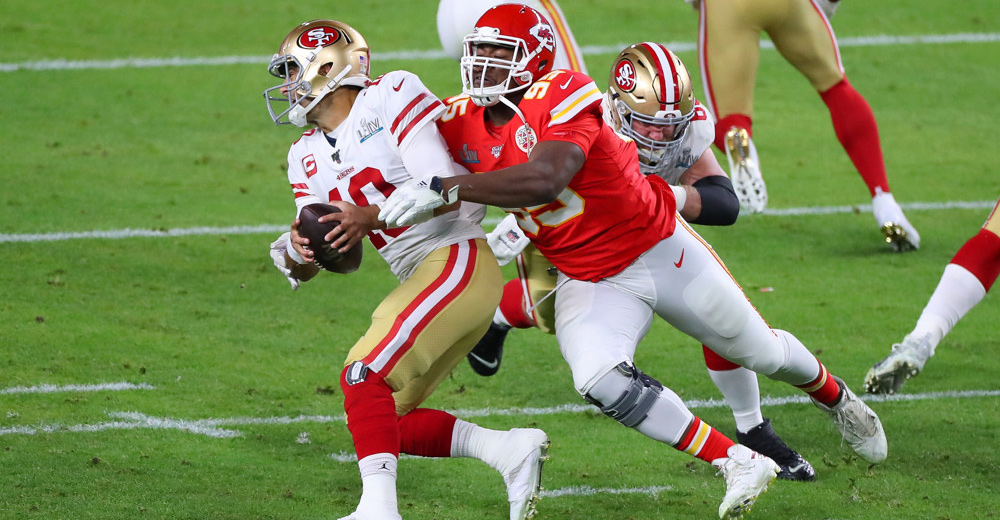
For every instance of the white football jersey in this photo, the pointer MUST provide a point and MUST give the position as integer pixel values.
(698, 138)
(360, 162)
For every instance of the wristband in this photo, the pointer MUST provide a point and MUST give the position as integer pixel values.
(292, 253)
(681, 195)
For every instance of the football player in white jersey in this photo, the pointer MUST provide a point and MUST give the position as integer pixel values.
(455, 17)
(671, 139)
(369, 137)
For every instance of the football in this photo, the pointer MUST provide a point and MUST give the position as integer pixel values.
(326, 257)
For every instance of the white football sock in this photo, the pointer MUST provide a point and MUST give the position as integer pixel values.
(378, 485)
(956, 294)
(471, 440)
(740, 390)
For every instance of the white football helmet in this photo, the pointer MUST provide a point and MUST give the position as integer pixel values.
(514, 26)
(650, 84)
(301, 61)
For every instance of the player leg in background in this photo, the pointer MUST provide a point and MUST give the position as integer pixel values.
(526, 303)
(965, 282)
(740, 390)
(803, 35)
(456, 18)
(702, 300)
(598, 327)
(728, 54)
(419, 333)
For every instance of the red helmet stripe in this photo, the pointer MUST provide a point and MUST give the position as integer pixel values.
(664, 63)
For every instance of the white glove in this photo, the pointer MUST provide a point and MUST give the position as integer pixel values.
(278, 248)
(413, 203)
(829, 7)
(507, 240)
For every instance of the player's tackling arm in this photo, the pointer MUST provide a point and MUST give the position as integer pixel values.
(549, 170)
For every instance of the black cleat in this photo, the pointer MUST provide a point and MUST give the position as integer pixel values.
(764, 440)
(485, 356)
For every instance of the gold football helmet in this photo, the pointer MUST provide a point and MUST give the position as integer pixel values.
(314, 59)
(650, 85)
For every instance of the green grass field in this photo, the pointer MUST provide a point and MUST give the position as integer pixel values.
(221, 397)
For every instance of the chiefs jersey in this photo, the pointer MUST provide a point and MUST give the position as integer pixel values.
(696, 139)
(360, 162)
(608, 215)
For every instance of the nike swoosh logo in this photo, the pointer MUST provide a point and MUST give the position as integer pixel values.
(564, 85)
(678, 263)
(488, 364)
(397, 87)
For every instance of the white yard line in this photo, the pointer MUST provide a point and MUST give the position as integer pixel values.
(434, 54)
(211, 427)
(98, 387)
(491, 221)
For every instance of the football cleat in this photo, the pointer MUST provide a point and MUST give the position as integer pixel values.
(898, 231)
(744, 169)
(485, 356)
(529, 449)
(905, 361)
(764, 440)
(747, 475)
(858, 425)
(357, 515)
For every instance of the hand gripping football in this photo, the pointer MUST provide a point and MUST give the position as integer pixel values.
(325, 256)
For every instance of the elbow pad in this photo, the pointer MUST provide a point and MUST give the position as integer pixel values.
(719, 204)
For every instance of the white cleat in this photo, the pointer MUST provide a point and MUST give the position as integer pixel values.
(357, 515)
(529, 449)
(858, 425)
(744, 170)
(898, 231)
(905, 361)
(747, 475)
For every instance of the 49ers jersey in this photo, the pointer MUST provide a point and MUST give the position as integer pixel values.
(608, 215)
(696, 139)
(360, 162)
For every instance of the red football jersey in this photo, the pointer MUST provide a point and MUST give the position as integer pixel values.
(608, 215)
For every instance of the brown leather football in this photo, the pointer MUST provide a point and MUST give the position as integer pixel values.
(325, 256)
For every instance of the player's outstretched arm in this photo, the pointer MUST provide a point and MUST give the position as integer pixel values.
(549, 170)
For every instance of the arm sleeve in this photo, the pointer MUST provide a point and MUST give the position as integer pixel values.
(719, 204)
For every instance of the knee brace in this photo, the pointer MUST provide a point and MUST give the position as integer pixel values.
(629, 393)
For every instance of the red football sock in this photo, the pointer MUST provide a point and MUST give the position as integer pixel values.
(716, 362)
(512, 305)
(704, 442)
(981, 257)
(371, 415)
(854, 124)
(724, 124)
(824, 388)
(426, 432)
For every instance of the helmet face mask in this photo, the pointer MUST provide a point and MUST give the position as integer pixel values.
(528, 42)
(649, 85)
(315, 59)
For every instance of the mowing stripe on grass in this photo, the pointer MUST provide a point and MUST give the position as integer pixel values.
(588, 50)
(211, 427)
(491, 221)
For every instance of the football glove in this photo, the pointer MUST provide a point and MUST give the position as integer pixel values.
(278, 248)
(507, 240)
(829, 7)
(415, 202)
